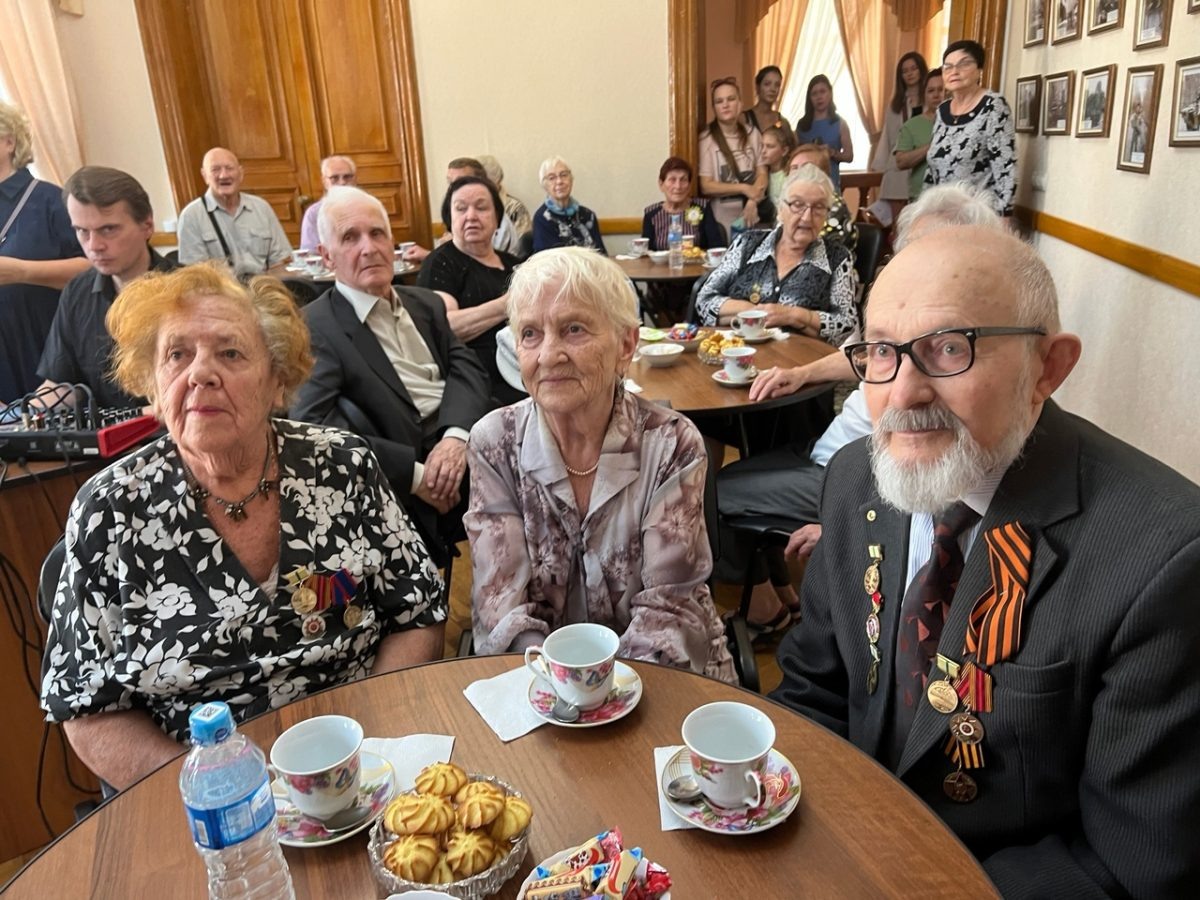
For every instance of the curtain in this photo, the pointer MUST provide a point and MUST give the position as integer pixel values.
(749, 14)
(31, 67)
(819, 51)
(872, 43)
(911, 15)
(777, 37)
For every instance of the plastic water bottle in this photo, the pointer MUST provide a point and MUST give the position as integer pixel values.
(675, 242)
(227, 794)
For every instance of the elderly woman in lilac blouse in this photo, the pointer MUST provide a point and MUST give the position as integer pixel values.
(587, 503)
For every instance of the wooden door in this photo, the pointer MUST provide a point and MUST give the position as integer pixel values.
(284, 84)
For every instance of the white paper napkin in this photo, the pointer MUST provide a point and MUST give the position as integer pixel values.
(670, 821)
(503, 702)
(411, 753)
(782, 334)
(632, 386)
(627, 256)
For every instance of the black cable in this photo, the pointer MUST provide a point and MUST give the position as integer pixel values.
(41, 770)
(16, 616)
(45, 493)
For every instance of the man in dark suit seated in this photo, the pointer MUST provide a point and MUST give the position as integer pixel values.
(388, 367)
(1042, 696)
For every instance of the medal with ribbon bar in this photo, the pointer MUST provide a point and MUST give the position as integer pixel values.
(871, 584)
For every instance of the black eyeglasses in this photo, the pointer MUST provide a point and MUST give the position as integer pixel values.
(939, 354)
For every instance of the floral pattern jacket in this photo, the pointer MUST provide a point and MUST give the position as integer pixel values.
(154, 612)
(638, 558)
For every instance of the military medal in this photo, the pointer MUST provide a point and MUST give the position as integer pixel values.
(353, 616)
(871, 582)
(304, 601)
(941, 696)
(313, 625)
(960, 787)
(966, 728)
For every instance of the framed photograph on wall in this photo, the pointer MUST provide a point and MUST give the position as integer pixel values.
(1185, 105)
(1152, 24)
(1035, 22)
(1142, 86)
(1068, 20)
(1029, 95)
(1105, 15)
(1057, 97)
(1095, 101)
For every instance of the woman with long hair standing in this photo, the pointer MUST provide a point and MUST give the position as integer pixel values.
(768, 86)
(822, 125)
(906, 102)
(731, 171)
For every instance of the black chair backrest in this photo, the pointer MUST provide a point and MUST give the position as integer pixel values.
(52, 567)
(866, 253)
(691, 317)
(303, 292)
(525, 246)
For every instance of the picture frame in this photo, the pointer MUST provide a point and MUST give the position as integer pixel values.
(1105, 15)
(1096, 89)
(1028, 106)
(1068, 20)
(1035, 22)
(1136, 145)
(1193, 6)
(1152, 24)
(1185, 104)
(1058, 97)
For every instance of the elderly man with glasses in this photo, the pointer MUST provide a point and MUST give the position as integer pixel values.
(1002, 606)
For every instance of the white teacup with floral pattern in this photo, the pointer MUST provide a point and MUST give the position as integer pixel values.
(728, 744)
(318, 761)
(577, 662)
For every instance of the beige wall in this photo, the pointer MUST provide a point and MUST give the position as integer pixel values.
(1139, 370)
(524, 80)
(103, 50)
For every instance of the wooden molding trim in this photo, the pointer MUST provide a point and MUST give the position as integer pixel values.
(1170, 270)
(685, 30)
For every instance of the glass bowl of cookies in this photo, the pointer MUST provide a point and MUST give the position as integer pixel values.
(711, 346)
(464, 834)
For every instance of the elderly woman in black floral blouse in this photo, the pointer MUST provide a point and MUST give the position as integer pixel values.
(241, 558)
(804, 282)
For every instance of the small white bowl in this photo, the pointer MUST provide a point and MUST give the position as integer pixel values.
(659, 257)
(662, 355)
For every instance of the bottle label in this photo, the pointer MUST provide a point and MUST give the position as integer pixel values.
(225, 826)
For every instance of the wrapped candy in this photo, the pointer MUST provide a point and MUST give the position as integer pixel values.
(601, 869)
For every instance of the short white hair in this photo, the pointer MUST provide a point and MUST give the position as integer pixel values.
(340, 198)
(810, 174)
(339, 158)
(957, 203)
(550, 163)
(492, 168)
(578, 275)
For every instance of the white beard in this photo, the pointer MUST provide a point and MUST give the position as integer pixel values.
(933, 487)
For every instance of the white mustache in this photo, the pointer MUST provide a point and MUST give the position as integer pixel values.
(923, 418)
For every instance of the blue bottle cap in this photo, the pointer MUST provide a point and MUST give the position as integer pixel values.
(211, 723)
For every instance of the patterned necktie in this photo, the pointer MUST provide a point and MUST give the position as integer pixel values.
(923, 612)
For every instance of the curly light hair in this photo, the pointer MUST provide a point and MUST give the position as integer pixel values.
(14, 124)
(137, 313)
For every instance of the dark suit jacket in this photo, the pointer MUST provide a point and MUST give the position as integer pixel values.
(353, 386)
(1092, 779)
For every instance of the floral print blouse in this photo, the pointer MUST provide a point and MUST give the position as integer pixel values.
(154, 612)
(824, 280)
(636, 560)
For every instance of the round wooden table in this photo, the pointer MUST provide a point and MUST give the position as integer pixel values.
(857, 832)
(690, 388)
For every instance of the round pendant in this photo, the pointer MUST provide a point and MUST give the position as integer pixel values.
(304, 601)
(353, 616)
(873, 628)
(871, 579)
(313, 625)
(941, 696)
(960, 787)
(966, 728)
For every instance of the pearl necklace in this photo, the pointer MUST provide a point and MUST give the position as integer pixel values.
(586, 472)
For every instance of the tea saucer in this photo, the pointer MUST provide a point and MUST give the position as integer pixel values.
(724, 380)
(780, 783)
(769, 334)
(298, 830)
(626, 692)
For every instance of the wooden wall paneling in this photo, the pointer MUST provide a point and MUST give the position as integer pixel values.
(181, 101)
(685, 42)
